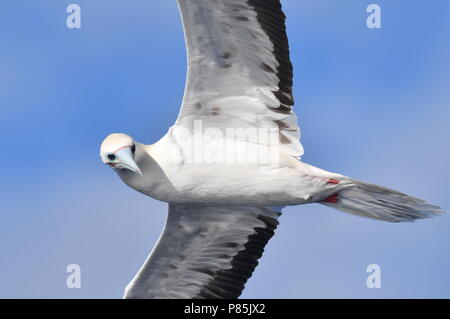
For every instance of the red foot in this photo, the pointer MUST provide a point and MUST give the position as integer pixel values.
(333, 199)
(333, 181)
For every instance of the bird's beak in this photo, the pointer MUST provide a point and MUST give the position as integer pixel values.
(126, 160)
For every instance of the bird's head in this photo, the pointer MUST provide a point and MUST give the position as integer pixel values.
(118, 151)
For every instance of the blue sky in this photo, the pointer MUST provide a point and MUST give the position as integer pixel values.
(372, 104)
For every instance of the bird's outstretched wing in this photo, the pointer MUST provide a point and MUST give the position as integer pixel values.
(239, 70)
(205, 252)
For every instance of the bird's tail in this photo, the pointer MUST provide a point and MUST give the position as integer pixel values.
(377, 202)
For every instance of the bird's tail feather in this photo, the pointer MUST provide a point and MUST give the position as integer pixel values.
(377, 202)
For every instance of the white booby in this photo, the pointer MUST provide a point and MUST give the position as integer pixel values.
(232, 159)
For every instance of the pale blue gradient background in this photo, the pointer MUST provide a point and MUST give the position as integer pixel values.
(372, 104)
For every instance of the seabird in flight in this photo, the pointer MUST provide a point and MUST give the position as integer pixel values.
(231, 161)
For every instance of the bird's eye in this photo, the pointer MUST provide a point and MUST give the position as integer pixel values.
(133, 148)
(111, 156)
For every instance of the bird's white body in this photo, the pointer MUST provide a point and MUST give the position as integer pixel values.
(171, 178)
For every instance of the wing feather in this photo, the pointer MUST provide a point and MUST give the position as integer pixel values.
(205, 252)
(239, 69)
